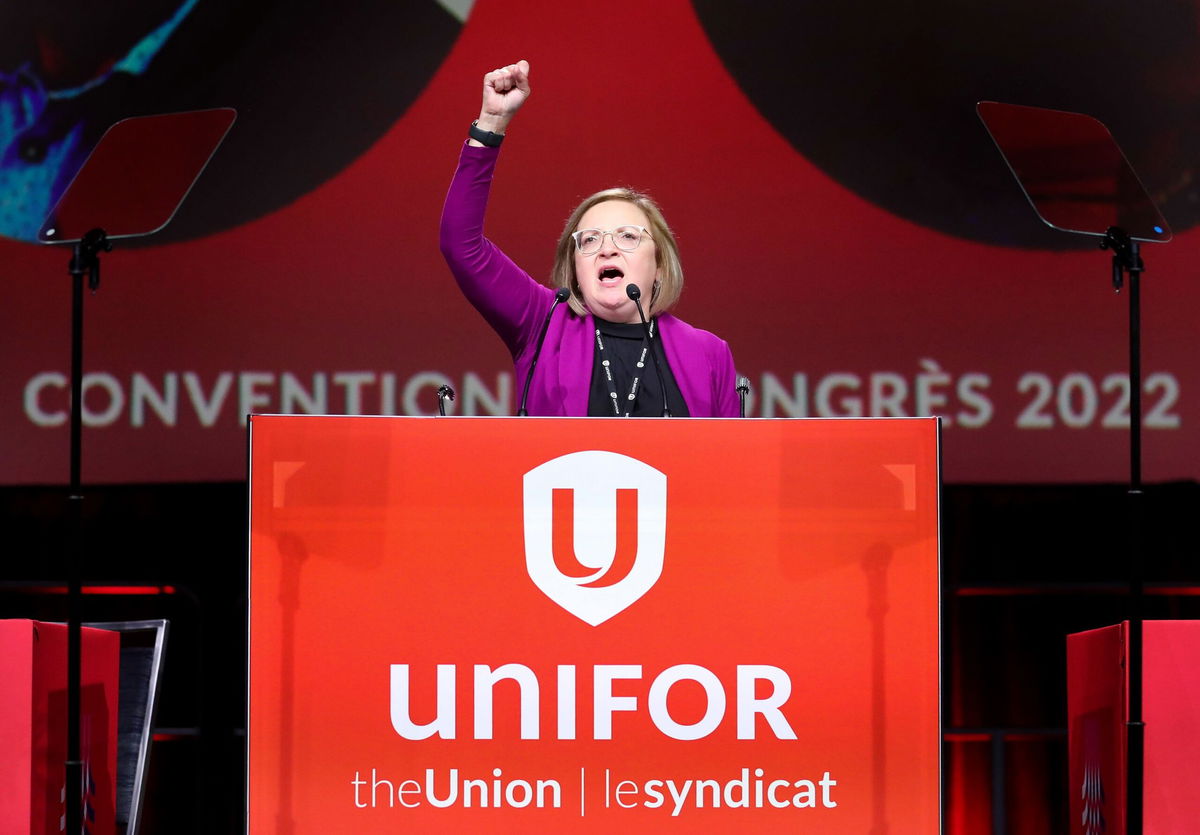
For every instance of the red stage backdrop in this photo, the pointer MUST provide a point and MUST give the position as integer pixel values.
(843, 218)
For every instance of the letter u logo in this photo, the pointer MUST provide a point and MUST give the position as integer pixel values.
(563, 542)
(595, 531)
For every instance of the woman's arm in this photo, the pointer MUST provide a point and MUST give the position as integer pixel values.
(507, 297)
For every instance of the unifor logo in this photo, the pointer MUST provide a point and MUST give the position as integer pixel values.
(595, 531)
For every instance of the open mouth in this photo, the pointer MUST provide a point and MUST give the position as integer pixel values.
(611, 275)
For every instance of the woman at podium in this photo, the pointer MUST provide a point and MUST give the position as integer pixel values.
(597, 356)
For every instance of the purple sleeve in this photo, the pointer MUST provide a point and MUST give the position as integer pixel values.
(725, 382)
(507, 297)
(703, 367)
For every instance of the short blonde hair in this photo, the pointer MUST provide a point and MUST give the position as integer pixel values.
(669, 286)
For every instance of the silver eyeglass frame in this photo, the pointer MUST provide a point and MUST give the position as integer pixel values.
(611, 233)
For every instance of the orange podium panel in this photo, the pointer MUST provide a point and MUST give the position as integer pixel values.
(593, 625)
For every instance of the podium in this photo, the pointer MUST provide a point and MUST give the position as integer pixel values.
(581, 624)
(1097, 708)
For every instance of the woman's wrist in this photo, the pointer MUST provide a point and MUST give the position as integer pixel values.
(486, 133)
(492, 122)
(482, 138)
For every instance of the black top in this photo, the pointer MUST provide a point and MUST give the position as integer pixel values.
(622, 348)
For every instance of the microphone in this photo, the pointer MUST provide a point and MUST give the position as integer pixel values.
(634, 294)
(560, 296)
(743, 389)
(444, 393)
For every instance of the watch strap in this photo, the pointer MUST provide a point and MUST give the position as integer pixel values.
(484, 137)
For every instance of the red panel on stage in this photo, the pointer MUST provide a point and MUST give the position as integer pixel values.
(1098, 709)
(1172, 713)
(429, 652)
(33, 721)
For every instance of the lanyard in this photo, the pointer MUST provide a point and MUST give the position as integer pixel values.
(630, 398)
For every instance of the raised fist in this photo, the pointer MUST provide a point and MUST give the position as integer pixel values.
(504, 91)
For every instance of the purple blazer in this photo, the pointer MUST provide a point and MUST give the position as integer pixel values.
(515, 306)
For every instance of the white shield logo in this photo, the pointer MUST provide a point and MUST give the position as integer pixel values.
(595, 531)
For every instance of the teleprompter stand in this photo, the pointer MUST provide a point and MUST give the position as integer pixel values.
(131, 185)
(1078, 180)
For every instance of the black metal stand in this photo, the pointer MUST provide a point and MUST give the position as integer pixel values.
(168, 152)
(743, 390)
(1127, 259)
(1031, 141)
(84, 261)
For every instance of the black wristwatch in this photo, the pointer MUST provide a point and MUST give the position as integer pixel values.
(484, 137)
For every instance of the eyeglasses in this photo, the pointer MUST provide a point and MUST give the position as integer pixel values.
(625, 238)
